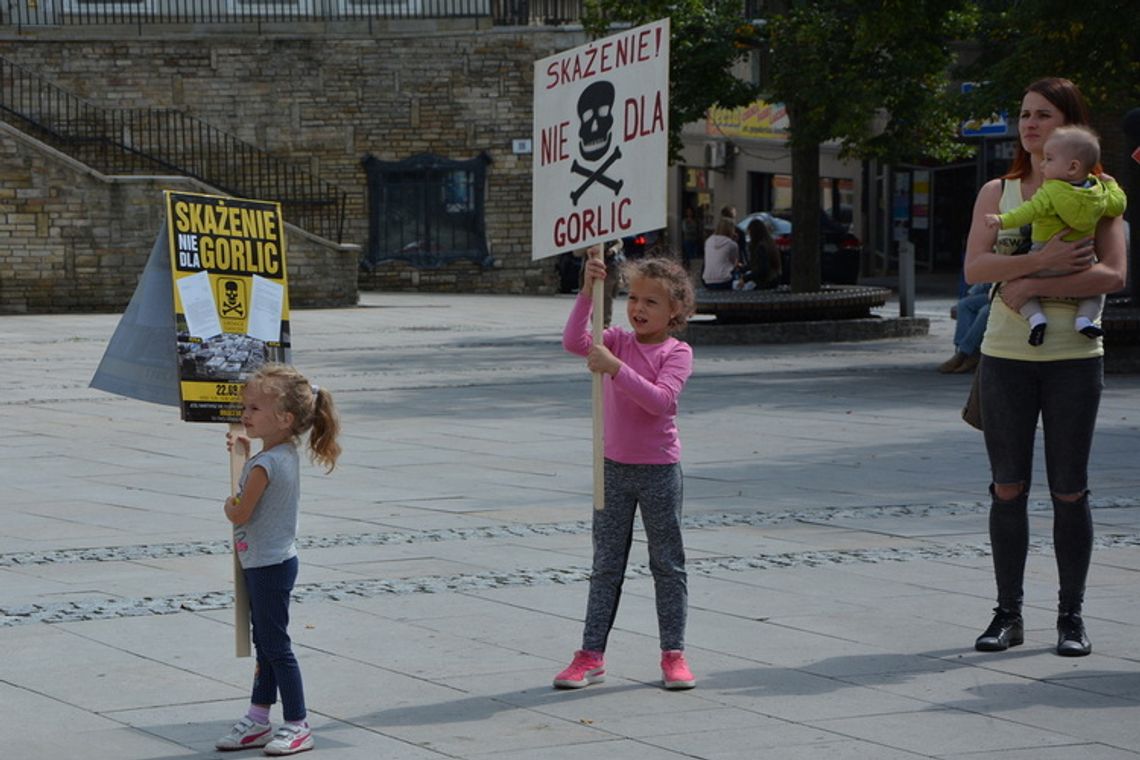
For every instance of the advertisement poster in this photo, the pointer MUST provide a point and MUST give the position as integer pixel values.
(231, 297)
(920, 200)
(760, 120)
(900, 207)
(601, 123)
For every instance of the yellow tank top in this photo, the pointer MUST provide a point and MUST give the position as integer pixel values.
(1007, 332)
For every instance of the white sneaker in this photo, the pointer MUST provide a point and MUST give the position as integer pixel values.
(290, 739)
(245, 735)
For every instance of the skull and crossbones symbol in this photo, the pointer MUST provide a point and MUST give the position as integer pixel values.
(596, 122)
(231, 300)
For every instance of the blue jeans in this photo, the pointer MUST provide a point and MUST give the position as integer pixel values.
(277, 669)
(973, 313)
(690, 250)
(717, 285)
(1064, 394)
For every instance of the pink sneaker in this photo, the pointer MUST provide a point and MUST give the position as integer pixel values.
(675, 671)
(586, 668)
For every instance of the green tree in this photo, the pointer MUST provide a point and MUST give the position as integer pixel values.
(703, 47)
(1093, 44)
(872, 76)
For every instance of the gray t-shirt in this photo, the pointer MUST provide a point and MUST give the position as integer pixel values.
(269, 537)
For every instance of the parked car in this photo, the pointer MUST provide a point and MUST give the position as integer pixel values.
(840, 251)
(569, 267)
(635, 246)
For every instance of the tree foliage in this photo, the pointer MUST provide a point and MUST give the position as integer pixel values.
(875, 76)
(1094, 44)
(872, 76)
(703, 50)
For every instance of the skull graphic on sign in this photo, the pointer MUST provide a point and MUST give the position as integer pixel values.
(596, 120)
(595, 135)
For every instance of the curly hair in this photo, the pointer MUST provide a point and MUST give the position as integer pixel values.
(676, 281)
(312, 409)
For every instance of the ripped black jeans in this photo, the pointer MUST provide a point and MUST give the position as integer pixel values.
(1065, 395)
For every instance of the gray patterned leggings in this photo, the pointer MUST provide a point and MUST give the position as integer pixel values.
(657, 489)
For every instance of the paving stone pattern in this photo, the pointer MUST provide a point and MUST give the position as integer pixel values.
(835, 523)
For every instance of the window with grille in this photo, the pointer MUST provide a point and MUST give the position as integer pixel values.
(426, 210)
(272, 7)
(397, 7)
(104, 8)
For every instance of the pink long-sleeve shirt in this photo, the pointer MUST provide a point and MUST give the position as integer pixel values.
(641, 399)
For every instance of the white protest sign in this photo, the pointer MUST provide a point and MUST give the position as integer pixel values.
(601, 140)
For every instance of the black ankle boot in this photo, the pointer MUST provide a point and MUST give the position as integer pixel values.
(1072, 641)
(1007, 630)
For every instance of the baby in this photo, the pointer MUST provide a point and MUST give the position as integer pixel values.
(1070, 198)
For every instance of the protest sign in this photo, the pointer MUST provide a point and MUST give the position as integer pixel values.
(231, 298)
(601, 130)
(601, 137)
(211, 307)
(231, 310)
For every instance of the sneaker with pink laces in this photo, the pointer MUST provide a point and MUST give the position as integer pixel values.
(675, 671)
(586, 668)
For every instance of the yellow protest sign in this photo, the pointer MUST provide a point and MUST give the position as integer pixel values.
(231, 297)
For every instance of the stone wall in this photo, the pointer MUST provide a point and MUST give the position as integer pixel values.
(72, 239)
(325, 101)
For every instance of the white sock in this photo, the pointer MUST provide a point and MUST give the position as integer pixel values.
(258, 714)
(1082, 323)
(1037, 319)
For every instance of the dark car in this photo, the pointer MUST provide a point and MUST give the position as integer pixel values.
(840, 251)
(636, 246)
(569, 267)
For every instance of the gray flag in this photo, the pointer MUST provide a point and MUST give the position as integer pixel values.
(141, 360)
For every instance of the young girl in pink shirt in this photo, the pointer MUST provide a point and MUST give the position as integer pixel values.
(645, 370)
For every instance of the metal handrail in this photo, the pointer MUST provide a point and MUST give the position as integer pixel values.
(60, 13)
(152, 140)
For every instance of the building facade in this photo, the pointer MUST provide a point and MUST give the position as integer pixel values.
(409, 127)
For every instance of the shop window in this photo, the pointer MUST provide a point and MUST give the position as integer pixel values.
(836, 195)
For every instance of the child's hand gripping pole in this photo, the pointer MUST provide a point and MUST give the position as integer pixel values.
(239, 452)
(598, 325)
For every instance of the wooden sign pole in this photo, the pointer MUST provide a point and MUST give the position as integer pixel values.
(598, 324)
(238, 455)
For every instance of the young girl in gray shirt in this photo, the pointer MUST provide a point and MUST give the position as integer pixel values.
(279, 406)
